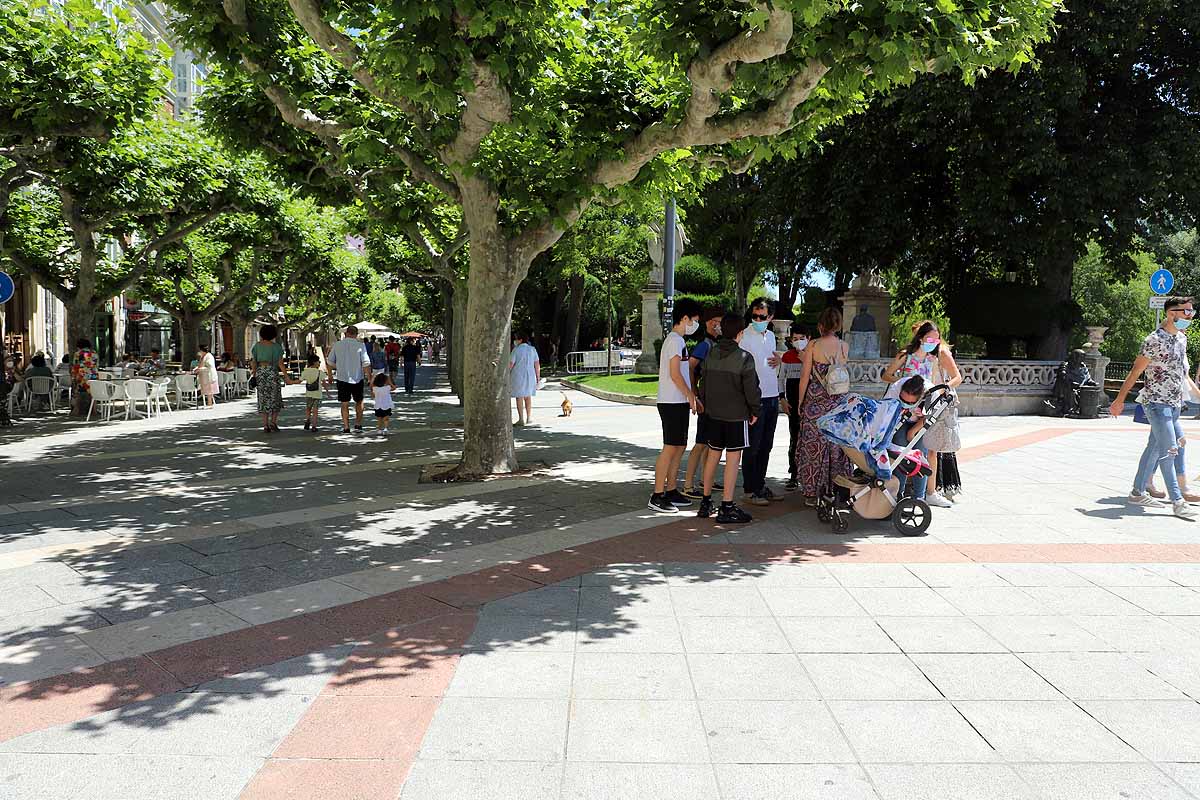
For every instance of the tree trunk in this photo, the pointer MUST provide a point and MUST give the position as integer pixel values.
(238, 326)
(189, 338)
(81, 323)
(578, 285)
(487, 418)
(1056, 273)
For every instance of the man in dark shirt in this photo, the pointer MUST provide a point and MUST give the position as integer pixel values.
(392, 349)
(411, 354)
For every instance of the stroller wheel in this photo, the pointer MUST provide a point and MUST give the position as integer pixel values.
(912, 517)
(841, 521)
(825, 508)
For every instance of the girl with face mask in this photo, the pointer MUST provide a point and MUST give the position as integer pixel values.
(927, 356)
(790, 373)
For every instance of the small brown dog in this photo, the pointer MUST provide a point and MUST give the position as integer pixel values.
(566, 406)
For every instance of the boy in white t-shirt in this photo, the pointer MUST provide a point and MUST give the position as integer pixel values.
(676, 401)
(311, 377)
(382, 390)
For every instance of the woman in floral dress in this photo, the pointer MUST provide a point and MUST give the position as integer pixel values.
(818, 459)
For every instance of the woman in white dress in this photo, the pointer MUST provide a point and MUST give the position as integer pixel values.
(206, 372)
(526, 372)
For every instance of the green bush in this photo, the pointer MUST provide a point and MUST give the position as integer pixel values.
(697, 275)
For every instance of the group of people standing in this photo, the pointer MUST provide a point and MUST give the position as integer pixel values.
(737, 383)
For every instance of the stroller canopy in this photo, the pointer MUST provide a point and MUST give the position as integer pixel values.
(866, 425)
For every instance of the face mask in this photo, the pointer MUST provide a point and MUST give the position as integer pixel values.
(800, 344)
(929, 347)
(1183, 323)
(691, 327)
(907, 406)
(716, 331)
(758, 326)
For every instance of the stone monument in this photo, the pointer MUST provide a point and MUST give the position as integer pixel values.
(869, 330)
(863, 337)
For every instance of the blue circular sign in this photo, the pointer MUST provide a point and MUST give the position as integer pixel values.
(1162, 281)
(7, 287)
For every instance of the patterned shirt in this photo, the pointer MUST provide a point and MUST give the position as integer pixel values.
(1164, 377)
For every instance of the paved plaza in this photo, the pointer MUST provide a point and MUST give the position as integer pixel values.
(190, 608)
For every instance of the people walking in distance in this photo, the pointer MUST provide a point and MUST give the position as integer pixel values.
(378, 357)
(392, 352)
(790, 371)
(525, 371)
(759, 341)
(710, 329)
(819, 460)
(729, 394)
(675, 401)
(266, 358)
(206, 374)
(310, 376)
(929, 358)
(411, 355)
(382, 390)
(1164, 364)
(351, 367)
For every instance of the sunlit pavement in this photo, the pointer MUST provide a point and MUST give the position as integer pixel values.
(192, 608)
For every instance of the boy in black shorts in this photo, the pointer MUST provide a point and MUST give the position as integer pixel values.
(730, 396)
(676, 401)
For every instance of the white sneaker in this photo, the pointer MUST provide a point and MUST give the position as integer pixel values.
(1183, 510)
(1146, 500)
(935, 500)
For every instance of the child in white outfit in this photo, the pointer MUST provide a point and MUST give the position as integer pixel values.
(382, 388)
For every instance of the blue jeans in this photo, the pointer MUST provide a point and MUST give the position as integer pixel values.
(762, 437)
(920, 483)
(410, 375)
(1165, 433)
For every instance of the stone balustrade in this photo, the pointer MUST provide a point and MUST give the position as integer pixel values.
(989, 388)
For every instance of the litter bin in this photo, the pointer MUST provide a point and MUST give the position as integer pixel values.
(1089, 401)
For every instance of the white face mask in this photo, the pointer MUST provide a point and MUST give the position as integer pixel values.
(800, 344)
(691, 327)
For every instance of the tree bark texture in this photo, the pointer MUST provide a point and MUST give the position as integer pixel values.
(1055, 273)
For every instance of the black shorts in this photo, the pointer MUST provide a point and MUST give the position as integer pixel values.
(674, 418)
(725, 435)
(350, 391)
(702, 424)
(383, 412)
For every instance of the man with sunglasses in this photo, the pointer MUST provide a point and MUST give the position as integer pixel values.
(759, 341)
(1163, 361)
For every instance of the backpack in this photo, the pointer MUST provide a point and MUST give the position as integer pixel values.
(837, 377)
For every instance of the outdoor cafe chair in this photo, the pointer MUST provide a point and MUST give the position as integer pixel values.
(187, 388)
(138, 390)
(65, 385)
(158, 393)
(103, 395)
(40, 386)
(225, 384)
(241, 380)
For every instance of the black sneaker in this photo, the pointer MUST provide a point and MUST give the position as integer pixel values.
(675, 498)
(706, 508)
(791, 485)
(693, 493)
(307, 426)
(730, 513)
(771, 496)
(660, 504)
(346, 430)
(358, 428)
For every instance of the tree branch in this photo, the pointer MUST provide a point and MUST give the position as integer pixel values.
(487, 105)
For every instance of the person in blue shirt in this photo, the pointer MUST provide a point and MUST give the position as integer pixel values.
(710, 323)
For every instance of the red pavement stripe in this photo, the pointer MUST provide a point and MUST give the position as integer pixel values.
(361, 735)
(40, 704)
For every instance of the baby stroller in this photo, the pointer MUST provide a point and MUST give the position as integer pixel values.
(874, 498)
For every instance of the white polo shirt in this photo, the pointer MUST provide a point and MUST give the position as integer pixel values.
(762, 347)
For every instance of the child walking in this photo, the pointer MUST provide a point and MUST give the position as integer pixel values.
(311, 376)
(383, 402)
(730, 395)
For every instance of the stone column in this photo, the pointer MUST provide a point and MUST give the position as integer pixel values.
(868, 291)
(1096, 361)
(646, 363)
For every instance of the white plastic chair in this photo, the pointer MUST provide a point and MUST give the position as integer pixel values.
(65, 385)
(40, 386)
(241, 380)
(159, 393)
(187, 388)
(103, 395)
(138, 390)
(226, 385)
